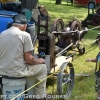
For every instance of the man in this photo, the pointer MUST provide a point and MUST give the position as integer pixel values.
(16, 59)
(97, 69)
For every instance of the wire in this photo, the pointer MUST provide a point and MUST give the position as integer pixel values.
(94, 28)
(35, 85)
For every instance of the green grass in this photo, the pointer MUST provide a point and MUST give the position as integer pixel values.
(84, 87)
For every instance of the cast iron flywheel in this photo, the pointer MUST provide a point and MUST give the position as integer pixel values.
(77, 37)
(75, 26)
(58, 25)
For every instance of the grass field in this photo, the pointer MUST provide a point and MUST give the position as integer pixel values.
(84, 88)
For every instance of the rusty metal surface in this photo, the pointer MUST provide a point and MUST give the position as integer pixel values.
(57, 25)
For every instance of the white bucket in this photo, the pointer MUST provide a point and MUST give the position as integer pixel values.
(13, 87)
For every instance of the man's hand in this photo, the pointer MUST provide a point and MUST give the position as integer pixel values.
(88, 60)
(91, 60)
(31, 60)
(41, 61)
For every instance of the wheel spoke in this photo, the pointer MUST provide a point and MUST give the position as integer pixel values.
(68, 81)
(65, 80)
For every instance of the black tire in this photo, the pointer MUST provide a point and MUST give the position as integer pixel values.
(65, 76)
(82, 51)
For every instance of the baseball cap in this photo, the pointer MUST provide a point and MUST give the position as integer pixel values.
(20, 19)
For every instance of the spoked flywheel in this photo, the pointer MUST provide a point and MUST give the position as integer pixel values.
(77, 37)
(58, 25)
(75, 26)
(65, 80)
(96, 20)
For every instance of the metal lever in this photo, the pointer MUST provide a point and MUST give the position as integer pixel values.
(63, 51)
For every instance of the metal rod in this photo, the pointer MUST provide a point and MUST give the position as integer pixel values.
(64, 50)
(64, 32)
(94, 28)
(84, 75)
(74, 31)
(34, 40)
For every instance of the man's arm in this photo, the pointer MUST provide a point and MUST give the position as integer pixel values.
(31, 60)
(91, 60)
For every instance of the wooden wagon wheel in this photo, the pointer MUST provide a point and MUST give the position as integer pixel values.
(65, 80)
(76, 26)
(58, 25)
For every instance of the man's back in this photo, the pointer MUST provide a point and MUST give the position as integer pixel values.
(12, 45)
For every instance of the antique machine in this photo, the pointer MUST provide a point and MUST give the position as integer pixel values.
(60, 66)
(69, 36)
(52, 45)
(93, 17)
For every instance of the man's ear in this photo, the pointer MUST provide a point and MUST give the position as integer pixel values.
(24, 27)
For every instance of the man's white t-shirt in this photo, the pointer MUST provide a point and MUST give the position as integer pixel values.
(13, 44)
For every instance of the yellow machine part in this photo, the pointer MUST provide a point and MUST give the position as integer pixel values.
(59, 61)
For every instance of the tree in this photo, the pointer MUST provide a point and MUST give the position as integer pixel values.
(29, 4)
(58, 2)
